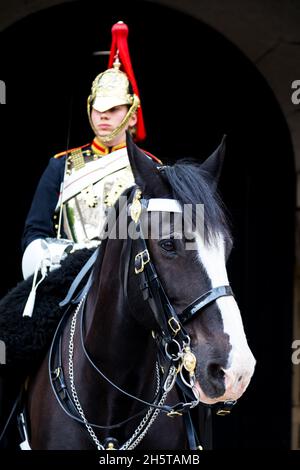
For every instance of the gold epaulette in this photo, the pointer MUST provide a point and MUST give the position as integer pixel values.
(76, 156)
(75, 150)
(61, 154)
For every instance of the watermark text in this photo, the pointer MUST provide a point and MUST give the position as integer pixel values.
(2, 353)
(2, 92)
(296, 94)
(296, 353)
(165, 223)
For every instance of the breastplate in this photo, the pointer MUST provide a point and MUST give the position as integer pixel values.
(88, 192)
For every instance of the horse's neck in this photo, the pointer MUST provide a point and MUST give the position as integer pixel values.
(124, 349)
(112, 331)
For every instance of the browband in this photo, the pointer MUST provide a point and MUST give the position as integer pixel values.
(163, 205)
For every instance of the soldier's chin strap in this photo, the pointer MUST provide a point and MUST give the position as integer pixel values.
(108, 138)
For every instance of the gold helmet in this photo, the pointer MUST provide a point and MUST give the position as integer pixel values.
(114, 87)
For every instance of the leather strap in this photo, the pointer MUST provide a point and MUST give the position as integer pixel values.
(80, 276)
(193, 309)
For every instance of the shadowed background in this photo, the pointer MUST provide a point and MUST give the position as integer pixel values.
(195, 86)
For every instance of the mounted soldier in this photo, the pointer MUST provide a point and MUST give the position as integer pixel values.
(69, 210)
(70, 203)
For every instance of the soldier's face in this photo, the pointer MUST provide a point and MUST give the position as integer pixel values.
(106, 122)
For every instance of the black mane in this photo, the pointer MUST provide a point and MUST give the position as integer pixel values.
(190, 184)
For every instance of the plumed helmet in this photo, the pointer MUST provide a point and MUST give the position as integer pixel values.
(116, 87)
(111, 88)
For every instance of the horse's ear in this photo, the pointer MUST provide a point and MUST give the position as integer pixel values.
(145, 171)
(213, 164)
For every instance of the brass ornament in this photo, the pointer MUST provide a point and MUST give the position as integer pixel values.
(189, 361)
(110, 446)
(136, 207)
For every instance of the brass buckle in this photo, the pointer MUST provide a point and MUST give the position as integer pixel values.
(56, 373)
(140, 257)
(176, 327)
(227, 407)
(173, 414)
(223, 412)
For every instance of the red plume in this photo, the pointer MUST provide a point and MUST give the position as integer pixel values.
(119, 43)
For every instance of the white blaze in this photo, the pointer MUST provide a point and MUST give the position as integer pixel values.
(241, 362)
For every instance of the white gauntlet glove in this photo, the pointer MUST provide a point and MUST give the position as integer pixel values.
(45, 254)
(42, 255)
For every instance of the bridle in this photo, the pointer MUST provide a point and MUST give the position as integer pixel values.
(172, 340)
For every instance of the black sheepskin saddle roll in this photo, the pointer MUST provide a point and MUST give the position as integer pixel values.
(27, 339)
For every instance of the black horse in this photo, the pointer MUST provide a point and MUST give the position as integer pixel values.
(155, 330)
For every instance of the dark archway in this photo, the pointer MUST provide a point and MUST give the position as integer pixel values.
(195, 86)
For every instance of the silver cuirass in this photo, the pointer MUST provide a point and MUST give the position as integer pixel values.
(89, 188)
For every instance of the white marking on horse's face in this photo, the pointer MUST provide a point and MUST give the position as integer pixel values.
(241, 362)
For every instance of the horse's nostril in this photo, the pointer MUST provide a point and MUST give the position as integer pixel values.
(240, 378)
(216, 371)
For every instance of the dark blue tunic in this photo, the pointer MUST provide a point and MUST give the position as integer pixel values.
(39, 222)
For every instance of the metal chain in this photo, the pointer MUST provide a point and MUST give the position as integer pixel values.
(137, 437)
(151, 414)
(71, 377)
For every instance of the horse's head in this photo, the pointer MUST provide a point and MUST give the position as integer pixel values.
(189, 257)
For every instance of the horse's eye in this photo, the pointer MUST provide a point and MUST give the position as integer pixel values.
(167, 245)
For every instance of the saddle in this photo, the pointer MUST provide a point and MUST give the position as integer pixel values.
(27, 339)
